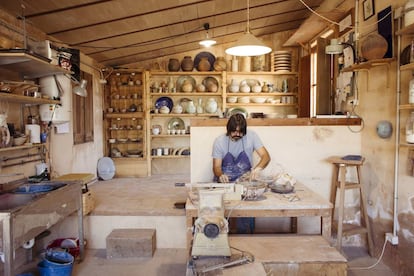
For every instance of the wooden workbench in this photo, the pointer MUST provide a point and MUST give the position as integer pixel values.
(273, 205)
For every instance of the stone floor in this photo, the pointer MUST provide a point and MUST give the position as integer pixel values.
(157, 195)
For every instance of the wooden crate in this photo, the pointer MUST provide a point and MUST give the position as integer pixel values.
(88, 202)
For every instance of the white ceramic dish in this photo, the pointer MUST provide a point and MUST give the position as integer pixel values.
(231, 99)
(258, 99)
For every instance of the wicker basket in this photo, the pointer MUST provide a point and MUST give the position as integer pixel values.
(88, 202)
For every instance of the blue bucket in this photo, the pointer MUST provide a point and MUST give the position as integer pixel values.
(56, 263)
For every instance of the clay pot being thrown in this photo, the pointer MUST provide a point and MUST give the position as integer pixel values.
(374, 46)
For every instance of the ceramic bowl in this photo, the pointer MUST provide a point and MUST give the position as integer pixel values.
(243, 100)
(18, 141)
(258, 99)
(231, 99)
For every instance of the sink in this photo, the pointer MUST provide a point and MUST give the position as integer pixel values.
(26, 193)
(37, 188)
(9, 201)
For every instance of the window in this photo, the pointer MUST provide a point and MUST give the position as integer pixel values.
(83, 113)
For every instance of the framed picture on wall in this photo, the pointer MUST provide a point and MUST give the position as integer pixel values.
(368, 8)
(346, 24)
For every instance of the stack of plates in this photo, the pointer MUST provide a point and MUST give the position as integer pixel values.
(282, 61)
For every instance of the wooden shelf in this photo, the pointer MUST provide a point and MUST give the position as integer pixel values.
(368, 64)
(29, 66)
(189, 94)
(170, 156)
(182, 73)
(15, 148)
(406, 145)
(408, 30)
(407, 107)
(170, 136)
(26, 99)
(262, 104)
(183, 115)
(266, 73)
(409, 66)
(260, 94)
(126, 115)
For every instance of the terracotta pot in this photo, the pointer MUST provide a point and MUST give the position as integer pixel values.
(187, 64)
(220, 64)
(204, 65)
(173, 65)
(373, 46)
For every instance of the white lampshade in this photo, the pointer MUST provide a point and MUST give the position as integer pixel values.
(248, 45)
(208, 42)
(80, 90)
(334, 48)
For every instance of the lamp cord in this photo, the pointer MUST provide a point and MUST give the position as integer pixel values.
(248, 17)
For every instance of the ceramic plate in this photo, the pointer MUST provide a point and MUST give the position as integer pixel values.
(181, 80)
(106, 168)
(164, 101)
(176, 123)
(211, 58)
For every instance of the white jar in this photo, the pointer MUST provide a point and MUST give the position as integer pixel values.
(409, 129)
(211, 105)
(409, 13)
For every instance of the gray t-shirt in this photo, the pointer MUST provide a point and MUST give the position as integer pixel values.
(223, 144)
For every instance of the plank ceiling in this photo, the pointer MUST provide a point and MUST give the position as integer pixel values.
(120, 32)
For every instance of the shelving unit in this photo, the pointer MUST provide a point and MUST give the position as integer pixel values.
(28, 67)
(405, 34)
(175, 148)
(278, 101)
(125, 123)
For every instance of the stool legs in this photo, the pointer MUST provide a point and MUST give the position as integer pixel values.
(339, 182)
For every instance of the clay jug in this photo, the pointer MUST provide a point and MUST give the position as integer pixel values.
(191, 108)
(265, 88)
(187, 64)
(374, 46)
(173, 65)
(204, 65)
(211, 105)
(234, 86)
(200, 87)
(220, 64)
(177, 109)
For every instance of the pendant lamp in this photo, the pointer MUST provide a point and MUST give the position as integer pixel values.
(80, 89)
(208, 42)
(248, 44)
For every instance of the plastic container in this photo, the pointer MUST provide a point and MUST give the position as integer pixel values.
(56, 263)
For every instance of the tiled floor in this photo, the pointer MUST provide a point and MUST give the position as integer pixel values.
(157, 195)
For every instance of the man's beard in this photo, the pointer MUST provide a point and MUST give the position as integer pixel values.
(236, 138)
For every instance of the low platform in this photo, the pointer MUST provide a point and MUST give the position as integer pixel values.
(285, 255)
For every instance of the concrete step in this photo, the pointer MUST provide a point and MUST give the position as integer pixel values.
(130, 243)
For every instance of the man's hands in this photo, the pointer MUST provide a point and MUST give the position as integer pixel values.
(254, 175)
(223, 178)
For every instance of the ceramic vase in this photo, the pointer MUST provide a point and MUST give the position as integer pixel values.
(187, 64)
(191, 108)
(220, 64)
(374, 46)
(187, 86)
(211, 105)
(200, 109)
(234, 86)
(204, 65)
(173, 65)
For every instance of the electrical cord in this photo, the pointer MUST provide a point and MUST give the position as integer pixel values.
(373, 265)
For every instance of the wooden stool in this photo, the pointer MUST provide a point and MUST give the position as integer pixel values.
(339, 182)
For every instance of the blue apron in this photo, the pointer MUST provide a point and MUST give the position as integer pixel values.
(235, 167)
